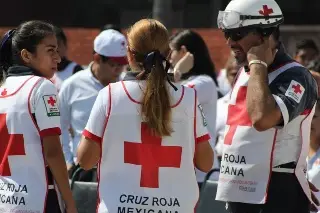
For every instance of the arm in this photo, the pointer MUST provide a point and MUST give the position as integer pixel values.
(293, 92)
(90, 145)
(65, 112)
(261, 105)
(47, 115)
(203, 152)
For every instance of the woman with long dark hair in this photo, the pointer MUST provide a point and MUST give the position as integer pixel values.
(194, 68)
(32, 166)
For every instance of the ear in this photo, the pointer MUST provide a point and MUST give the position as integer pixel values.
(96, 58)
(26, 56)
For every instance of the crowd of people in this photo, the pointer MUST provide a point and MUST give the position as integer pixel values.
(150, 116)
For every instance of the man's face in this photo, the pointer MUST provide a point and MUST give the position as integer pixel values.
(305, 56)
(241, 42)
(110, 70)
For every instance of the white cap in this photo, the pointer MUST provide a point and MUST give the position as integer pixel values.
(112, 44)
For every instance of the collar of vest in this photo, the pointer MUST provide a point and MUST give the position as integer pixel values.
(17, 70)
(132, 75)
(280, 59)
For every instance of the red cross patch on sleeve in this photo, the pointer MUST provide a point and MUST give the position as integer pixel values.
(295, 91)
(50, 101)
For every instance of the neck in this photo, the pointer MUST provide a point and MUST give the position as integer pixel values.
(96, 73)
(313, 148)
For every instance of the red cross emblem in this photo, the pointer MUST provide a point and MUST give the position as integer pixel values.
(265, 10)
(11, 144)
(297, 88)
(237, 115)
(4, 92)
(51, 101)
(151, 156)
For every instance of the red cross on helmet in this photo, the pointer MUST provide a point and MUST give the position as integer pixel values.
(253, 13)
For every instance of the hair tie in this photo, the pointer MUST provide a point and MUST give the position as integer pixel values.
(6, 37)
(150, 61)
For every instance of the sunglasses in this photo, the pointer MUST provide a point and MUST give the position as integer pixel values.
(236, 35)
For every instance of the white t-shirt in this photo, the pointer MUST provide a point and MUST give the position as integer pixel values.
(207, 96)
(77, 96)
(60, 76)
(313, 172)
(44, 91)
(222, 114)
(224, 85)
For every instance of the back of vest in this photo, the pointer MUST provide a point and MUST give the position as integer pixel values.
(140, 172)
(23, 184)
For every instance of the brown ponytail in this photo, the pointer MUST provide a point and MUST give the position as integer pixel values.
(144, 37)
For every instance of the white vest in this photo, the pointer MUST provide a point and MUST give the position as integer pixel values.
(130, 180)
(23, 183)
(248, 154)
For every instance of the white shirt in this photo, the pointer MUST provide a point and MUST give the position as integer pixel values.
(77, 96)
(207, 96)
(60, 76)
(222, 114)
(224, 85)
(313, 172)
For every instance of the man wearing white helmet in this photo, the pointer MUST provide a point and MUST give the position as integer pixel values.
(269, 116)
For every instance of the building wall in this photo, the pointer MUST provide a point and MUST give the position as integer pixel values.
(81, 42)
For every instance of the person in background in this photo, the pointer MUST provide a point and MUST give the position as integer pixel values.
(193, 67)
(222, 78)
(147, 133)
(111, 27)
(33, 174)
(313, 159)
(231, 69)
(306, 52)
(66, 68)
(78, 93)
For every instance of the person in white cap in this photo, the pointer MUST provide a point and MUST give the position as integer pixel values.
(266, 142)
(78, 93)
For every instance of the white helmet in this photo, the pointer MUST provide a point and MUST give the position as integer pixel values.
(250, 13)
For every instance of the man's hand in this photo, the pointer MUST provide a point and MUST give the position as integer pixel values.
(313, 197)
(262, 52)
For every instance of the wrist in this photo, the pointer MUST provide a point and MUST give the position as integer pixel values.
(259, 62)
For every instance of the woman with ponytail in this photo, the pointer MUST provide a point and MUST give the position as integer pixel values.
(32, 167)
(146, 133)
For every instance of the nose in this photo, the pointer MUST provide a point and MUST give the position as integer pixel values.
(57, 57)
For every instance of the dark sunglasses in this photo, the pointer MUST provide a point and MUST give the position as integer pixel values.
(236, 35)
